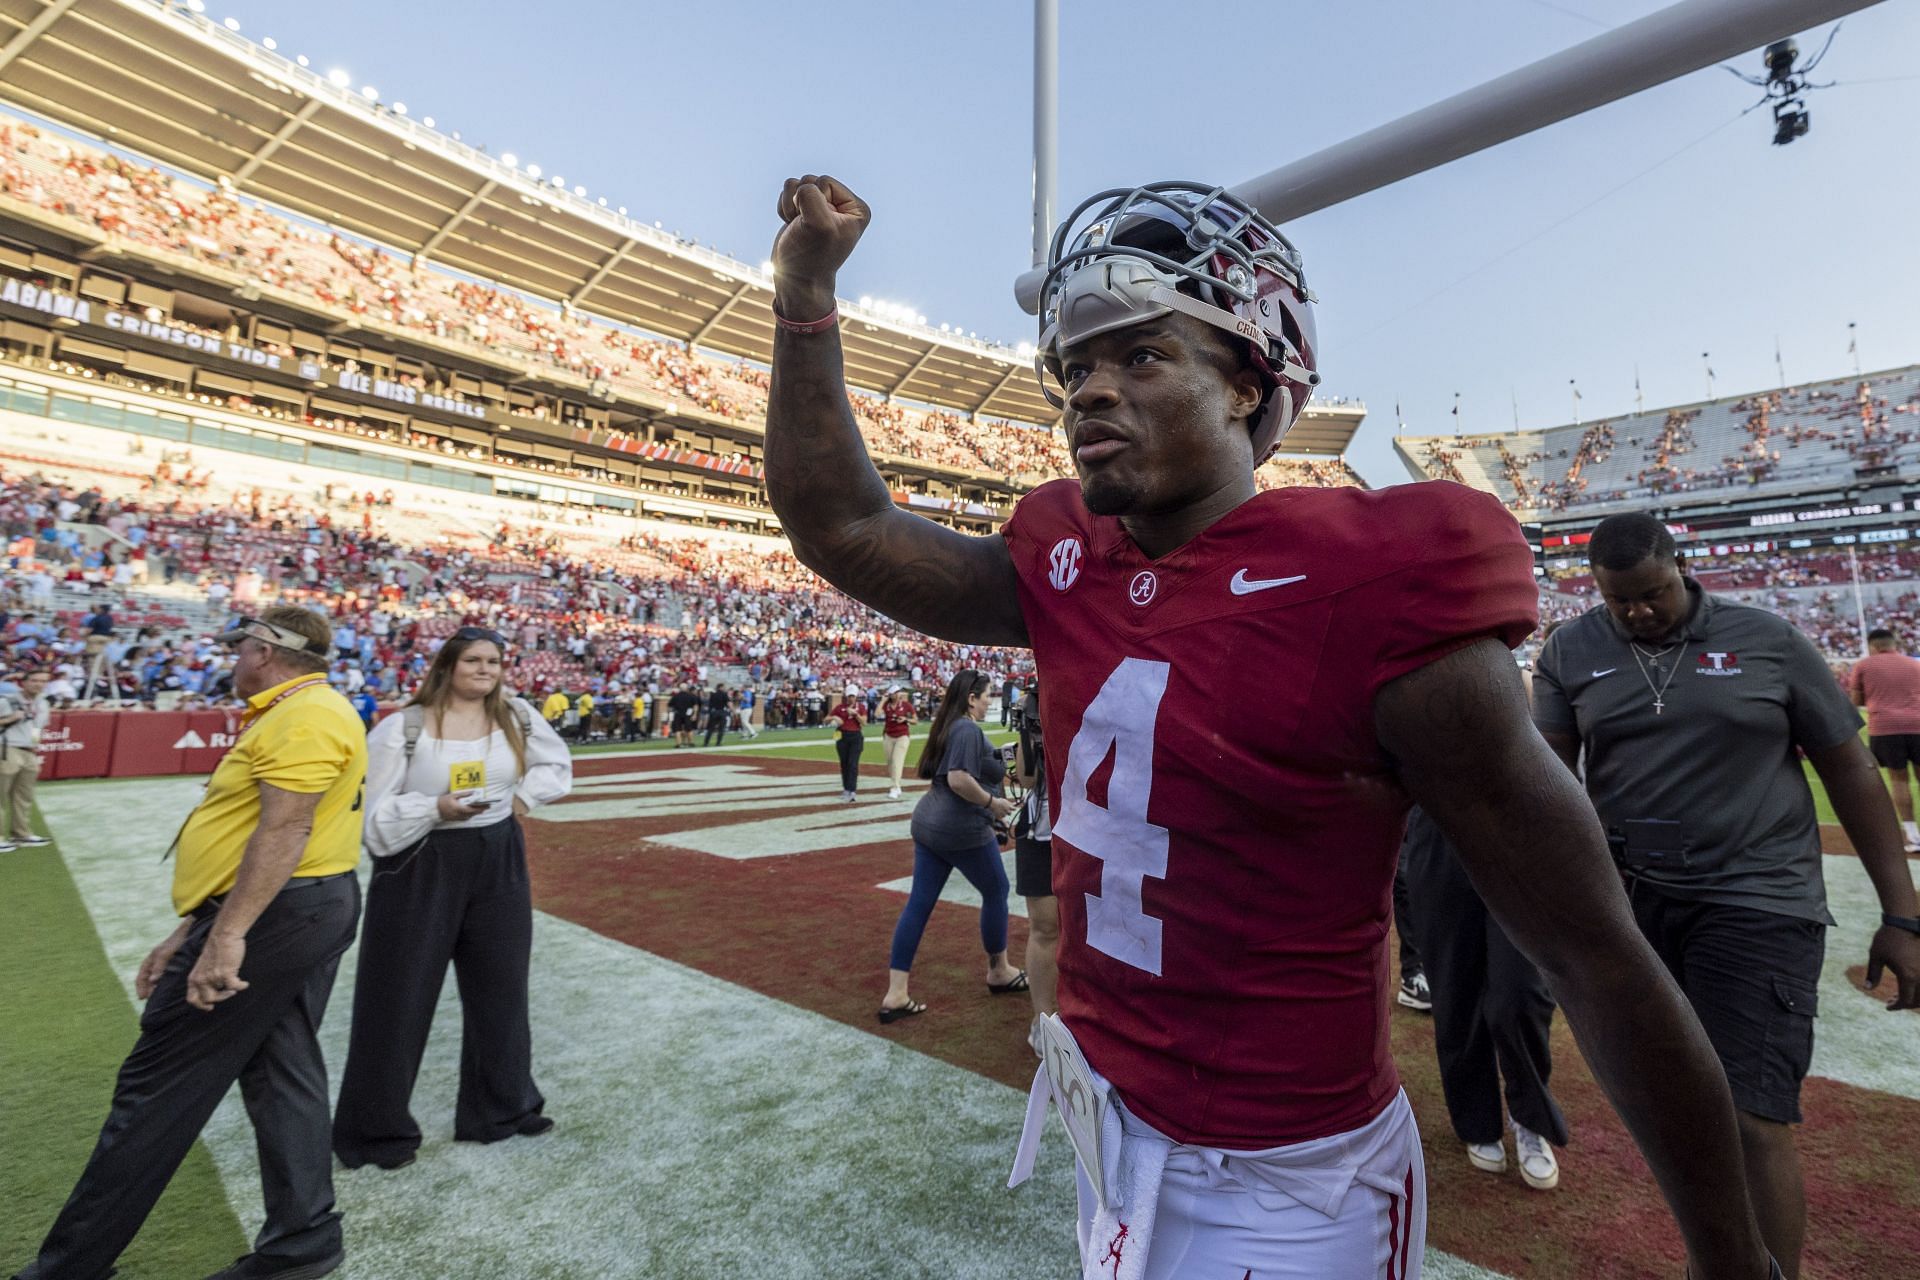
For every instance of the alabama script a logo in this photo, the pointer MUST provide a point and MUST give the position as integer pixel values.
(1717, 664)
(1063, 563)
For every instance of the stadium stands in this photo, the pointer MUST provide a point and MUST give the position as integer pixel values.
(1775, 442)
(152, 208)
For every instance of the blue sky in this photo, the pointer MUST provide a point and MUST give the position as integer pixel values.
(1635, 237)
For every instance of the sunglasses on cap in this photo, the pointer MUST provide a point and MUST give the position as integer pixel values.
(481, 633)
(266, 633)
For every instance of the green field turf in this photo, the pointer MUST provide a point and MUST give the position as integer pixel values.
(65, 1025)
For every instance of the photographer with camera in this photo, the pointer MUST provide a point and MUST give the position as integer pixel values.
(1689, 710)
(953, 828)
(1033, 863)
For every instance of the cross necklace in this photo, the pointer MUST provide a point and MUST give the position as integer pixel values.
(1659, 691)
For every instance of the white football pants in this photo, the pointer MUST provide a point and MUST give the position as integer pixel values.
(1349, 1207)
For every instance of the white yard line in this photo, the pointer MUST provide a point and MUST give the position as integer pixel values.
(703, 1130)
(1855, 1038)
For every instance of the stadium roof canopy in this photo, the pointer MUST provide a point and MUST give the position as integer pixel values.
(161, 80)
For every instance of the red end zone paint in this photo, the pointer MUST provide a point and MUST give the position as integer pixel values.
(812, 930)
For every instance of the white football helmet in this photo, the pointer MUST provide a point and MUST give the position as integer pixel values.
(1130, 255)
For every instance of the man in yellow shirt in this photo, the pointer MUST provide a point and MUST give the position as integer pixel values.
(265, 886)
(554, 709)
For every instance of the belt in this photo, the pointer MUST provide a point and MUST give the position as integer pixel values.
(212, 904)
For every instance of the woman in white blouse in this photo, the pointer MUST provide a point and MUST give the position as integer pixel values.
(449, 884)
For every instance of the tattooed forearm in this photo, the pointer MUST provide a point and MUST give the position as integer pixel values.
(842, 520)
(1459, 733)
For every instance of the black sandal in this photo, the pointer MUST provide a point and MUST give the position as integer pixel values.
(1017, 983)
(907, 1010)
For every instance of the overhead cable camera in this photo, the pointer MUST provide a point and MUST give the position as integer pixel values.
(1786, 88)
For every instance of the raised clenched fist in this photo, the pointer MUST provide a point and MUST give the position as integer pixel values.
(823, 221)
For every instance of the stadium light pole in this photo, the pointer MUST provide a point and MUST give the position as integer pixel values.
(1046, 125)
(1662, 46)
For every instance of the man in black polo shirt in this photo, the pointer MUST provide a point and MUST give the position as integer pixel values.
(1688, 710)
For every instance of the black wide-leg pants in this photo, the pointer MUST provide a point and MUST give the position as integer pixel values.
(267, 1038)
(848, 747)
(463, 898)
(1492, 1011)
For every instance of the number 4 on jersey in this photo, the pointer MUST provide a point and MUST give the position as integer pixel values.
(1119, 721)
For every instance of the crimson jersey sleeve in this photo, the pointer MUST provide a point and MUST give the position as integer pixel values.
(1048, 506)
(1465, 572)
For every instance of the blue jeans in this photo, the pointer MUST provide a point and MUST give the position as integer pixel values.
(984, 871)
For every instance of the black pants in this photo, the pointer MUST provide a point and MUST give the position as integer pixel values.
(184, 1062)
(849, 746)
(1410, 962)
(716, 729)
(1491, 1009)
(464, 897)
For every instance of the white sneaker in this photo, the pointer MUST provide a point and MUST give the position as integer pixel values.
(1033, 1039)
(7, 846)
(893, 793)
(1535, 1155)
(23, 842)
(1911, 830)
(1415, 994)
(1488, 1157)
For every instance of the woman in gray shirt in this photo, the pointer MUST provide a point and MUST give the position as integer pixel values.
(953, 829)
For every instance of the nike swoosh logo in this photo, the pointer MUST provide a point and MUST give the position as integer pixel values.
(1609, 671)
(1241, 586)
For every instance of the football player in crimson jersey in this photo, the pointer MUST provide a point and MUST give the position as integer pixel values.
(1225, 863)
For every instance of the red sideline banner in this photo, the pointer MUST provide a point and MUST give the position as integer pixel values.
(207, 737)
(137, 744)
(150, 743)
(78, 744)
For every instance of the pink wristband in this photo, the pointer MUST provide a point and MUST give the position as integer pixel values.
(821, 325)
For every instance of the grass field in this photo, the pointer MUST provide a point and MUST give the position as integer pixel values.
(65, 1024)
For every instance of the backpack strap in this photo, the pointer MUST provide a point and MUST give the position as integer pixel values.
(413, 719)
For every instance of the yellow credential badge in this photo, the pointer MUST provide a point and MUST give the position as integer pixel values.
(467, 775)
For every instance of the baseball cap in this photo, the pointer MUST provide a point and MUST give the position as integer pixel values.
(254, 629)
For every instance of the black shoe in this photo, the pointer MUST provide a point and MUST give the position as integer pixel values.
(254, 1266)
(391, 1162)
(533, 1126)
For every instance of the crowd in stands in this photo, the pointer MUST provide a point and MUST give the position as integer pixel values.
(150, 207)
(1810, 587)
(581, 613)
(1307, 473)
(1804, 433)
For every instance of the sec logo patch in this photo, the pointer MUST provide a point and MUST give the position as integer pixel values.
(1063, 563)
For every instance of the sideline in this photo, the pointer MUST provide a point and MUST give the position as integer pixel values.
(606, 751)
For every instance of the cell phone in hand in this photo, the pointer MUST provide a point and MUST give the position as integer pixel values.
(474, 800)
